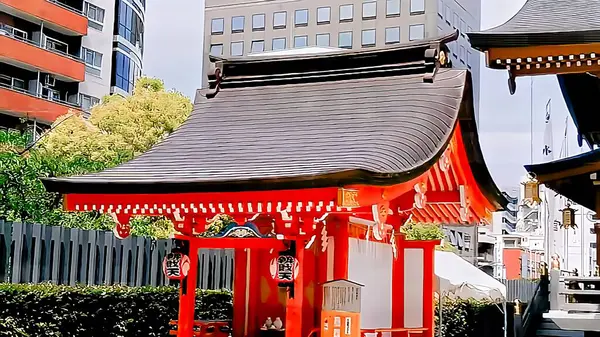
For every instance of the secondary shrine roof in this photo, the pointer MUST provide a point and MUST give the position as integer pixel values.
(545, 22)
(570, 177)
(380, 116)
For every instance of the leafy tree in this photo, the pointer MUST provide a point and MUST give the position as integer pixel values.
(426, 231)
(119, 129)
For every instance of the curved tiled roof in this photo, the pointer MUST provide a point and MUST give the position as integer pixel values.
(377, 117)
(545, 22)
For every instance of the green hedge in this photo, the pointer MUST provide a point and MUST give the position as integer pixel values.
(470, 318)
(103, 311)
(109, 311)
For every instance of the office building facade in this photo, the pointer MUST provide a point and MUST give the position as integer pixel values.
(242, 27)
(57, 55)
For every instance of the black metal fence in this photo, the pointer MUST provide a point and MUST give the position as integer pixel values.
(33, 253)
(520, 289)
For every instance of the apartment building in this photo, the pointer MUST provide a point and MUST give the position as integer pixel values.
(242, 27)
(57, 55)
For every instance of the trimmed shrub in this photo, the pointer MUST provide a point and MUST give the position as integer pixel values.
(114, 311)
(103, 311)
(471, 318)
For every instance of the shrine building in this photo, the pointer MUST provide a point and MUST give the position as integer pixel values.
(320, 159)
(562, 38)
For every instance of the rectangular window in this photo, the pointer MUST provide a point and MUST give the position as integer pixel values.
(323, 40)
(463, 27)
(448, 15)
(440, 9)
(463, 54)
(87, 102)
(300, 41)
(216, 49)
(217, 26)
(94, 13)
(345, 40)
(392, 35)
(258, 46)
(456, 21)
(278, 43)
(368, 38)
(392, 8)
(416, 32)
(279, 20)
(91, 57)
(237, 24)
(346, 13)
(323, 15)
(301, 17)
(258, 22)
(237, 48)
(369, 10)
(417, 7)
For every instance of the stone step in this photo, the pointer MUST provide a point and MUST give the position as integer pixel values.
(559, 333)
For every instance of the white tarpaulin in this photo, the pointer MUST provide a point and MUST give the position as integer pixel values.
(458, 278)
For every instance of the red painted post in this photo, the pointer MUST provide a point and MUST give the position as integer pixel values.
(187, 298)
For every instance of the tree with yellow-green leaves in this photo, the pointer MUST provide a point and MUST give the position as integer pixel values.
(119, 129)
(426, 231)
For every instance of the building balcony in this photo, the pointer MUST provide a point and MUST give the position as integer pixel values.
(47, 58)
(56, 15)
(45, 106)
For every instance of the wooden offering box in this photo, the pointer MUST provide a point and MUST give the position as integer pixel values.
(341, 309)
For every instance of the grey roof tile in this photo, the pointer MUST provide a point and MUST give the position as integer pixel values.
(545, 22)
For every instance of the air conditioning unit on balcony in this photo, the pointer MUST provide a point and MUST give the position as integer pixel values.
(49, 80)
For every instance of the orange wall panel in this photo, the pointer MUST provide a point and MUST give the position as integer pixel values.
(50, 12)
(42, 59)
(512, 263)
(23, 105)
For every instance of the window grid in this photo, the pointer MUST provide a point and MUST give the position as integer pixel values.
(417, 7)
(346, 13)
(216, 49)
(278, 43)
(392, 8)
(345, 39)
(91, 57)
(258, 22)
(237, 48)
(300, 41)
(368, 38)
(323, 15)
(301, 17)
(94, 13)
(279, 20)
(237, 24)
(392, 35)
(369, 10)
(258, 46)
(416, 32)
(323, 40)
(217, 26)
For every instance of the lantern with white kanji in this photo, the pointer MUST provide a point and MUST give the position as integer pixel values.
(176, 266)
(284, 268)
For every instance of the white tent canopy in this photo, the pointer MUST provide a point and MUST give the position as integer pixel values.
(458, 278)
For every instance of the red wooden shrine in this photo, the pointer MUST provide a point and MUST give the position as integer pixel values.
(312, 216)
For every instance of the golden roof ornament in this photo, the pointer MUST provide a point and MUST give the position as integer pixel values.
(532, 191)
(568, 217)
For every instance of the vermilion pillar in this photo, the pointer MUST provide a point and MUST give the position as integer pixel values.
(340, 248)
(187, 295)
(293, 310)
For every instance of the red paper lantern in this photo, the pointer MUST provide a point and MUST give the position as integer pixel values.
(176, 266)
(284, 268)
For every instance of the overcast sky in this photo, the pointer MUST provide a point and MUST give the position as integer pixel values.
(173, 52)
